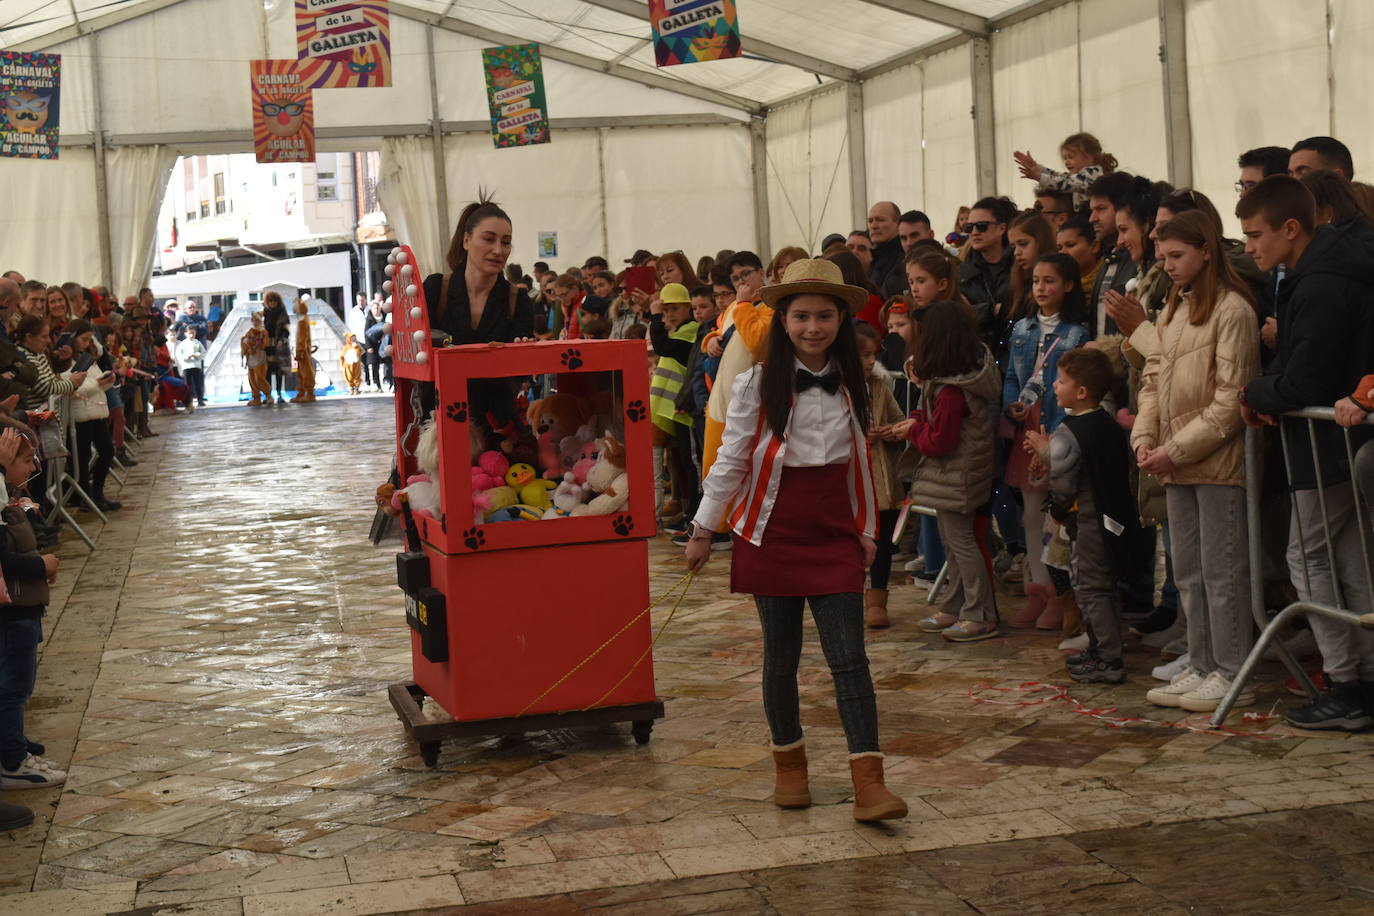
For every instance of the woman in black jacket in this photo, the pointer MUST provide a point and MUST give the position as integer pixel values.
(475, 303)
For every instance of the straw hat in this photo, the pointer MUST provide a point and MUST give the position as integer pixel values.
(819, 277)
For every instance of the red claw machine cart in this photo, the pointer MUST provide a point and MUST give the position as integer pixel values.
(524, 616)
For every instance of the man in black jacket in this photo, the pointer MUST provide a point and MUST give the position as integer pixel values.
(887, 248)
(1325, 335)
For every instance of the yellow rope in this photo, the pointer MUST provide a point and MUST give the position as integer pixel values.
(684, 583)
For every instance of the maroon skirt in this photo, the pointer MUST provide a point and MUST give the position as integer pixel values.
(810, 546)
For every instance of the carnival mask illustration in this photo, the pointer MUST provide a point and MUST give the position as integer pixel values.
(709, 44)
(282, 119)
(26, 112)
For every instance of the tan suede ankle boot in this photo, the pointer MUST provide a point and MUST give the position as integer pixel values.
(875, 609)
(872, 800)
(790, 787)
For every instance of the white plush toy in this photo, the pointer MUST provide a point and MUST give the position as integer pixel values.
(608, 480)
(423, 488)
(567, 497)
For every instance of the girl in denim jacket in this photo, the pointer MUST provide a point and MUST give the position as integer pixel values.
(1057, 325)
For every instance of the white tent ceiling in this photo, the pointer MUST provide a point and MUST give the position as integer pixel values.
(836, 104)
(789, 45)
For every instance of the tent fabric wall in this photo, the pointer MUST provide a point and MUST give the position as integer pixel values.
(1352, 31)
(950, 177)
(677, 188)
(47, 224)
(893, 115)
(808, 171)
(1256, 77)
(135, 175)
(1123, 82)
(553, 187)
(406, 190)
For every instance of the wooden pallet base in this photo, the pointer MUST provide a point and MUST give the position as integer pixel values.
(407, 699)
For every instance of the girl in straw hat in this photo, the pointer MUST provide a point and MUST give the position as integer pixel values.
(793, 481)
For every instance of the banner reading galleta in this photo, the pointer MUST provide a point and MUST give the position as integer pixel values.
(29, 90)
(687, 31)
(350, 39)
(283, 111)
(515, 94)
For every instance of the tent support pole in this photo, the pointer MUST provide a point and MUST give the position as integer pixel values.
(858, 158)
(758, 166)
(102, 191)
(984, 126)
(1178, 122)
(601, 191)
(436, 127)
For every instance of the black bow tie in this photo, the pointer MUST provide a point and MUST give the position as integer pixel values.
(830, 381)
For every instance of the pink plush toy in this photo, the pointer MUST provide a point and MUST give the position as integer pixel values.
(586, 461)
(490, 471)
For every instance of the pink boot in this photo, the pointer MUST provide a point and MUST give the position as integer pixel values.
(1052, 618)
(1037, 599)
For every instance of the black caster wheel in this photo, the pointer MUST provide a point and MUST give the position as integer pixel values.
(429, 753)
(641, 731)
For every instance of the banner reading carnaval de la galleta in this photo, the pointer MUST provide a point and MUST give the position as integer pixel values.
(283, 111)
(515, 95)
(349, 41)
(30, 85)
(687, 31)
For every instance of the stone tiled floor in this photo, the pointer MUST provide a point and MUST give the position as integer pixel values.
(215, 679)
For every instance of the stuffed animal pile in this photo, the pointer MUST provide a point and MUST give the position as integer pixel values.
(579, 472)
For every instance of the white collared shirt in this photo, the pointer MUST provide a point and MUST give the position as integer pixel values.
(818, 433)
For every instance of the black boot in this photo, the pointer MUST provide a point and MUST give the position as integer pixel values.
(1342, 707)
(103, 504)
(125, 458)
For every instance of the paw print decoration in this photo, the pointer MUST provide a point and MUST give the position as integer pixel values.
(623, 525)
(458, 411)
(474, 538)
(634, 411)
(572, 359)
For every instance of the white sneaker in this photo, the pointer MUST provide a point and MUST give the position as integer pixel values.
(1173, 669)
(33, 773)
(1076, 643)
(915, 565)
(1208, 695)
(1188, 679)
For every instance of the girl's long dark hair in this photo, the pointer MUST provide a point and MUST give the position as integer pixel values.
(1075, 307)
(948, 343)
(777, 380)
(472, 214)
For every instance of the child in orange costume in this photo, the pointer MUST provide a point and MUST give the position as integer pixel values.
(742, 331)
(305, 361)
(252, 346)
(351, 361)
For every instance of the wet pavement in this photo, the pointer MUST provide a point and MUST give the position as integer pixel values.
(215, 680)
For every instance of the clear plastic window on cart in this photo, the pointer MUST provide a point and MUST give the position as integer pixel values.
(555, 443)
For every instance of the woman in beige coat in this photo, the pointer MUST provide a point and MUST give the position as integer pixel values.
(1188, 433)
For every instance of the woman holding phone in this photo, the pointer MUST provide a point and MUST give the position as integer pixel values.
(91, 411)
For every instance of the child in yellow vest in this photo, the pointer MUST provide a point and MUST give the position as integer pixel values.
(673, 333)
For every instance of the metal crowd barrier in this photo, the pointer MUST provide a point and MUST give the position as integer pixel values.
(61, 485)
(1270, 629)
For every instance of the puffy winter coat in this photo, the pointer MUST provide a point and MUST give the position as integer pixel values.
(1190, 396)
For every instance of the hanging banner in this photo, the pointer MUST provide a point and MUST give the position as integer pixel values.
(349, 41)
(30, 84)
(283, 112)
(687, 31)
(515, 94)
